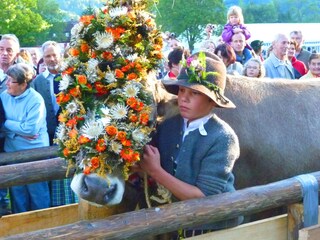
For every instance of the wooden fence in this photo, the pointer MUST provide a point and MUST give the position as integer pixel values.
(145, 222)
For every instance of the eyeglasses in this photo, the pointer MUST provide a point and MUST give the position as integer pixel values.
(10, 80)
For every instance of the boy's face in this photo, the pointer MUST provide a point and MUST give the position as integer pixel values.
(234, 20)
(193, 104)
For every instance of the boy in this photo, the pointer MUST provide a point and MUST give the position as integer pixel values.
(192, 154)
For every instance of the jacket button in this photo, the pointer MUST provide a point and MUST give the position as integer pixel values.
(177, 146)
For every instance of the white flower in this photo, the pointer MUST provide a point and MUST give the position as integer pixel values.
(72, 107)
(103, 40)
(64, 83)
(118, 11)
(61, 132)
(131, 90)
(92, 64)
(138, 135)
(115, 147)
(110, 77)
(118, 111)
(194, 63)
(77, 29)
(132, 57)
(105, 110)
(92, 129)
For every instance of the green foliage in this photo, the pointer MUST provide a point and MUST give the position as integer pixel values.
(282, 11)
(22, 19)
(189, 18)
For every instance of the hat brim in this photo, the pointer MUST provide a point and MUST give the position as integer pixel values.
(172, 86)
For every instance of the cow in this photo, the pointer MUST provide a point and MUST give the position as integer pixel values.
(276, 121)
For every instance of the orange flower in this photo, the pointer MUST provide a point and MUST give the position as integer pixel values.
(100, 147)
(119, 73)
(73, 133)
(86, 170)
(144, 118)
(86, 19)
(95, 162)
(125, 68)
(101, 88)
(83, 140)
(121, 135)
(126, 142)
(75, 92)
(132, 76)
(111, 130)
(74, 52)
(116, 32)
(66, 152)
(68, 71)
(93, 55)
(136, 156)
(107, 56)
(82, 79)
(132, 102)
(84, 47)
(133, 118)
(62, 118)
(139, 106)
(66, 98)
(127, 154)
(71, 123)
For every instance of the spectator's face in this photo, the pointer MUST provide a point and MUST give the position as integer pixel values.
(314, 67)
(238, 42)
(298, 38)
(280, 47)
(34, 56)
(14, 88)
(234, 20)
(291, 51)
(52, 58)
(9, 51)
(253, 69)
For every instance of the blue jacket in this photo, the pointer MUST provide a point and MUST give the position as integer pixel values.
(202, 161)
(25, 116)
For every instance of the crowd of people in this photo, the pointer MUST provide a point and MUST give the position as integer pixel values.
(27, 85)
(286, 57)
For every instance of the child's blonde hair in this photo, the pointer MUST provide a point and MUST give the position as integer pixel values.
(237, 11)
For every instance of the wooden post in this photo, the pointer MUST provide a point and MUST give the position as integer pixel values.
(295, 220)
(88, 211)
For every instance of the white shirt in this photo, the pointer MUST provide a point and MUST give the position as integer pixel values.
(196, 124)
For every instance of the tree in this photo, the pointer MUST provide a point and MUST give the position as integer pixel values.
(260, 13)
(21, 18)
(189, 18)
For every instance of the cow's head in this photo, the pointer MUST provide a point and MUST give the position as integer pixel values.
(106, 103)
(107, 190)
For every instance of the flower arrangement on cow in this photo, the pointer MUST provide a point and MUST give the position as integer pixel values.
(106, 109)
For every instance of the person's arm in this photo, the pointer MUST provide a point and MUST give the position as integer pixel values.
(227, 33)
(151, 165)
(245, 31)
(29, 126)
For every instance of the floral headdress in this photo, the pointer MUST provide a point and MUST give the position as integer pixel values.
(106, 108)
(206, 73)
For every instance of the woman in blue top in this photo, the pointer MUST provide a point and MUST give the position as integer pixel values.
(193, 154)
(25, 128)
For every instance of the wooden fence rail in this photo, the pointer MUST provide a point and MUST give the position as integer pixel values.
(167, 218)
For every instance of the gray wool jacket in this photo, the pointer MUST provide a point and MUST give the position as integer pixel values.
(202, 161)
